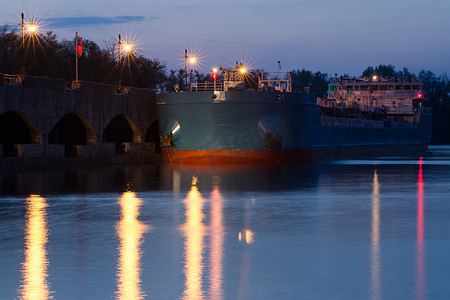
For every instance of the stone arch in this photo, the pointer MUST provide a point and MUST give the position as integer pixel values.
(152, 136)
(121, 129)
(16, 128)
(71, 130)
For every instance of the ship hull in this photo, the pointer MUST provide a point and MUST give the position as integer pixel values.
(258, 127)
(263, 157)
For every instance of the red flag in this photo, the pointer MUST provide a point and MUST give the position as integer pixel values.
(80, 47)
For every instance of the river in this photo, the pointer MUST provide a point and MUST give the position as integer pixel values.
(349, 229)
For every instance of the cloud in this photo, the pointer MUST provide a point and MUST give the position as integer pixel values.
(87, 21)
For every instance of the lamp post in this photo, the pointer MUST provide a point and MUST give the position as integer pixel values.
(31, 29)
(120, 64)
(185, 64)
(23, 47)
(192, 61)
(242, 73)
(128, 48)
(215, 76)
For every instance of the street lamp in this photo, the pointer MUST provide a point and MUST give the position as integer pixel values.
(242, 73)
(192, 59)
(185, 64)
(127, 47)
(215, 76)
(32, 29)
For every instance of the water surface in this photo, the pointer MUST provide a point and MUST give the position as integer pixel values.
(354, 229)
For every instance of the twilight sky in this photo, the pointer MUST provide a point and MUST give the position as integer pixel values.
(319, 35)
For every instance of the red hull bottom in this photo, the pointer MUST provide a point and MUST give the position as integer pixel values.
(278, 156)
(232, 157)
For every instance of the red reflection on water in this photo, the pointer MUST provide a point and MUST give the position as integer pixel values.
(217, 241)
(420, 262)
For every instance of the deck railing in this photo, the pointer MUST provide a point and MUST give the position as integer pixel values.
(16, 79)
(206, 86)
(348, 122)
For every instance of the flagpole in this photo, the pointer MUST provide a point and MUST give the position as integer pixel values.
(76, 56)
(279, 79)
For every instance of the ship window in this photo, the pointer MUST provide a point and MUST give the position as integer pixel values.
(399, 87)
(350, 87)
(383, 87)
(391, 87)
(393, 102)
(332, 88)
(364, 87)
(407, 87)
(356, 87)
(416, 87)
(374, 88)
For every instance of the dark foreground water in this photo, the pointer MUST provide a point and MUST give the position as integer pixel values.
(361, 229)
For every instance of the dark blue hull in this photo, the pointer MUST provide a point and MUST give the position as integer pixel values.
(226, 123)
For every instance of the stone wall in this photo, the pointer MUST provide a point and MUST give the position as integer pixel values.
(43, 102)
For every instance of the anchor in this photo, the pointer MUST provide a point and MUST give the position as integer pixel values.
(166, 140)
(271, 140)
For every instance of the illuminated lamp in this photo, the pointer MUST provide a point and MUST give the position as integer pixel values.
(127, 47)
(32, 28)
(79, 50)
(214, 74)
(420, 95)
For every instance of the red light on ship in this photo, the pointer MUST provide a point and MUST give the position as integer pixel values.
(420, 95)
(214, 74)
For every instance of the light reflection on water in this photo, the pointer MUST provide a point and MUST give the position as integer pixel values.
(375, 250)
(420, 256)
(217, 233)
(246, 235)
(339, 230)
(34, 272)
(194, 233)
(130, 232)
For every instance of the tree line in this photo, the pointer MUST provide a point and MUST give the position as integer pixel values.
(46, 56)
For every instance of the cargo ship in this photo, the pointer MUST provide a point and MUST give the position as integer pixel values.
(250, 118)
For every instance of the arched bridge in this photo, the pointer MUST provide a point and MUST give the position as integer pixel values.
(50, 118)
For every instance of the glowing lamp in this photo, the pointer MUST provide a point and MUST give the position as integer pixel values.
(242, 70)
(192, 59)
(420, 95)
(127, 47)
(374, 77)
(214, 74)
(32, 28)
